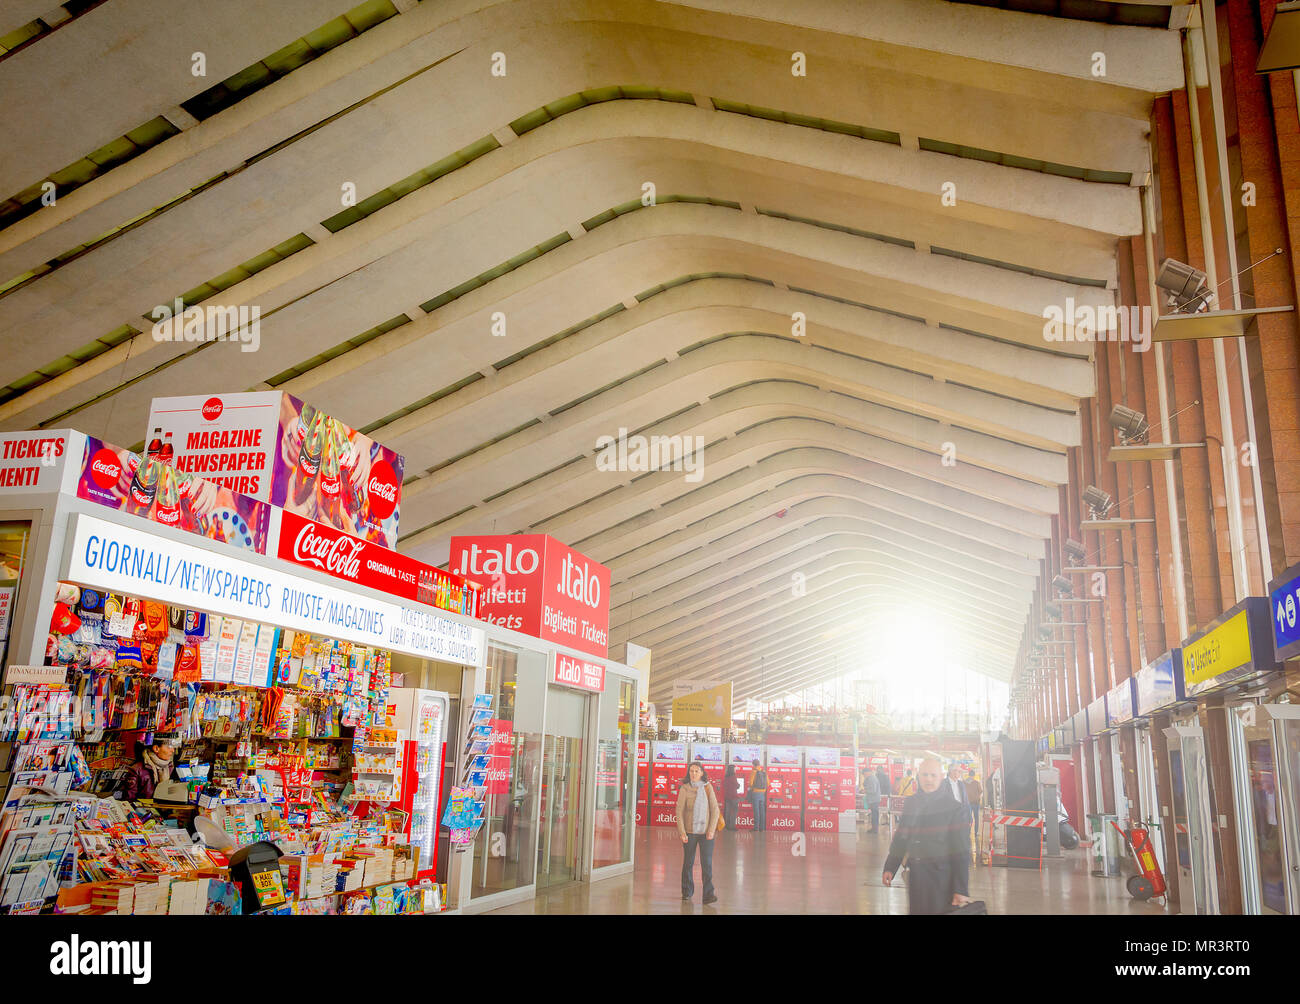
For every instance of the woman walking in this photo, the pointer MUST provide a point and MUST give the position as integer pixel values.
(697, 819)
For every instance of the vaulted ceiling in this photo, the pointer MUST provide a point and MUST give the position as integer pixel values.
(839, 287)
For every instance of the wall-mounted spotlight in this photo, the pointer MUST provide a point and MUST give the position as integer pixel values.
(1184, 286)
(1131, 425)
(1074, 552)
(1099, 503)
(1053, 610)
(1045, 632)
(1063, 585)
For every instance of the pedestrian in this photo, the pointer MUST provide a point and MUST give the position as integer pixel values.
(732, 792)
(871, 798)
(906, 784)
(758, 796)
(954, 784)
(934, 838)
(697, 821)
(974, 793)
(882, 779)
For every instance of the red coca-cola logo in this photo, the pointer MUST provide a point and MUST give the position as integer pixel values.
(382, 489)
(167, 515)
(329, 486)
(338, 555)
(105, 470)
(212, 408)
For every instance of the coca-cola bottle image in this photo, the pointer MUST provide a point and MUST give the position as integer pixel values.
(167, 452)
(309, 456)
(168, 511)
(329, 498)
(144, 486)
(155, 444)
(354, 503)
(184, 482)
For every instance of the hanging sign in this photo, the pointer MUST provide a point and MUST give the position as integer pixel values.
(123, 559)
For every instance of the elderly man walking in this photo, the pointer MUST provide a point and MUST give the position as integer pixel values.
(934, 837)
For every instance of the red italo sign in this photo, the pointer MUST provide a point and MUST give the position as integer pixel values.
(534, 584)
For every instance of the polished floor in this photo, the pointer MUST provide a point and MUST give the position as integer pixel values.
(837, 874)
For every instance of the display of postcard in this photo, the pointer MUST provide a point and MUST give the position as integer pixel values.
(482, 701)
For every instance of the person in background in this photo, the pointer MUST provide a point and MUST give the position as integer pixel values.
(974, 793)
(153, 765)
(882, 779)
(871, 798)
(954, 784)
(758, 796)
(906, 784)
(934, 838)
(697, 821)
(732, 792)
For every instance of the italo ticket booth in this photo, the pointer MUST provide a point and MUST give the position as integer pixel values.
(1231, 659)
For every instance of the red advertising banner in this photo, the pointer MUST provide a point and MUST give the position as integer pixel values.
(579, 673)
(275, 448)
(315, 544)
(32, 461)
(534, 584)
(122, 480)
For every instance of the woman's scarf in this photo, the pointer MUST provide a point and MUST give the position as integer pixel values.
(157, 768)
(700, 823)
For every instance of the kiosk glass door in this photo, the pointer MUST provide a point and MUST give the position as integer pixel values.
(564, 785)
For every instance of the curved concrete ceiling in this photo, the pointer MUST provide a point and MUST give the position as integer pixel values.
(884, 425)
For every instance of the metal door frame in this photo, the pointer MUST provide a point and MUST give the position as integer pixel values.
(1288, 808)
(1200, 825)
(1148, 790)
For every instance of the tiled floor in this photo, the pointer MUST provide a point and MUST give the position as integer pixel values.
(838, 873)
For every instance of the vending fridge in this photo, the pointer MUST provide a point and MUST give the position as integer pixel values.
(422, 714)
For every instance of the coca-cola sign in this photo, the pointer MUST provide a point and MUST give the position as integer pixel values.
(336, 553)
(105, 468)
(212, 409)
(315, 544)
(382, 489)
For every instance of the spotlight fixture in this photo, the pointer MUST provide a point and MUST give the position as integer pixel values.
(1074, 552)
(1184, 286)
(1044, 632)
(1131, 425)
(1053, 610)
(1063, 585)
(1099, 503)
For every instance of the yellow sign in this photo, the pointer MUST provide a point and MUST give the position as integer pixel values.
(269, 888)
(704, 709)
(1222, 650)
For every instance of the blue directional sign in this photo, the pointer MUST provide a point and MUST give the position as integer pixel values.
(1284, 601)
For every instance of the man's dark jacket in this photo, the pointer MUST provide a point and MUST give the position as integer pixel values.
(934, 835)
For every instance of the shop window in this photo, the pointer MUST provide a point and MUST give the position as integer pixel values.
(505, 850)
(615, 770)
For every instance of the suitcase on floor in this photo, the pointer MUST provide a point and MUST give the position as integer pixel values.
(975, 909)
